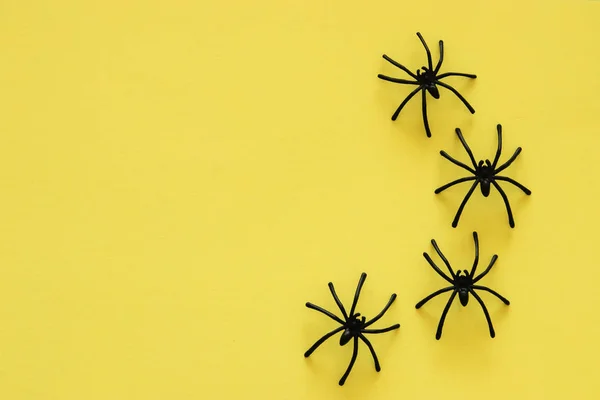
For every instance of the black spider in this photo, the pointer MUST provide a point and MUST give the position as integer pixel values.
(427, 81)
(463, 283)
(353, 326)
(485, 173)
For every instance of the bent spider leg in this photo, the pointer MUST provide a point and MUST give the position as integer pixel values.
(402, 67)
(361, 281)
(485, 311)
(461, 180)
(370, 346)
(426, 50)
(438, 334)
(432, 295)
(425, 119)
(444, 259)
(378, 316)
(517, 184)
(337, 300)
(476, 259)
(456, 162)
(441, 59)
(466, 146)
(446, 74)
(487, 289)
(465, 102)
(401, 106)
(396, 80)
(322, 340)
(384, 330)
(436, 269)
(511, 220)
(354, 354)
(324, 311)
(499, 149)
(489, 267)
(462, 205)
(510, 161)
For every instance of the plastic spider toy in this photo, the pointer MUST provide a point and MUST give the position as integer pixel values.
(353, 326)
(463, 283)
(427, 81)
(485, 173)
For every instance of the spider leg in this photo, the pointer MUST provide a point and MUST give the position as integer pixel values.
(510, 161)
(499, 150)
(476, 259)
(462, 205)
(511, 220)
(487, 289)
(465, 102)
(485, 311)
(517, 184)
(441, 60)
(378, 316)
(425, 119)
(370, 346)
(438, 334)
(396, 80)
(489, 267)
(361, 281)
(456, 162)
(432, 295)
(402, 67)
(426, 50)
(384, 330)
(436, 269)
(461, 180)
(324, 311)
(466, 146)
(354, 354)
(401, 106)
(322, 340)
(444, 259)
(445, 74)
(337, 300)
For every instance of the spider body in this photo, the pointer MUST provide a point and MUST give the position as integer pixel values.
(463, 284)
(353, 327)
(485, 174)
(427, 80)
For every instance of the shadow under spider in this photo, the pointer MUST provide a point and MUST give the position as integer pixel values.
(485, 173)
(353, 326)
(463, 283)
(427, 80)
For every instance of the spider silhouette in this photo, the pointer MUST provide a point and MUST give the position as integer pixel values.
(485, 173)
(426, 80)
(463, 283)
(354, 327)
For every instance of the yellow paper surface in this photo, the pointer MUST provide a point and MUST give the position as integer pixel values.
(177, 178)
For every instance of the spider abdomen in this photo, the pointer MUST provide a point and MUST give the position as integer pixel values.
(433, 90)
(346, 336)
(485, 187)
(463, 296)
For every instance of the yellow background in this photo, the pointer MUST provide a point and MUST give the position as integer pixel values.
(177, 178)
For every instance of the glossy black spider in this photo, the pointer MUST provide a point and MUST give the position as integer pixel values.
(484, 174)
(353, 326)
(427, 81)
(463, 283)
